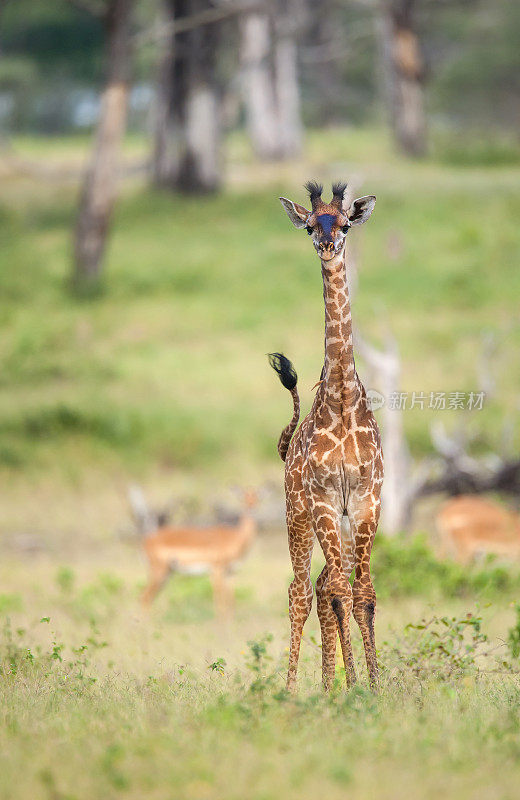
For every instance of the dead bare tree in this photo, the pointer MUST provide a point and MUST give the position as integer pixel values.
(398, 485)
(456, 472)
(99, 187)
(452, 470)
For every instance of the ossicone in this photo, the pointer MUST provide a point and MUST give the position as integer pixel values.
(338, 194)
(315, 190)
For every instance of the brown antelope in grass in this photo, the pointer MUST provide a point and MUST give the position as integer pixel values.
(469, 525)
(195, 551)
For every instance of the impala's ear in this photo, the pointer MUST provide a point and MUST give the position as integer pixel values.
(296, 213)
(361, 209)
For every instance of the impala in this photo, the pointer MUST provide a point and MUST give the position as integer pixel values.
(470, 525)
(196, 551)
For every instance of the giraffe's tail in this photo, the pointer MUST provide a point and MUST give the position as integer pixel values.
(289, 379)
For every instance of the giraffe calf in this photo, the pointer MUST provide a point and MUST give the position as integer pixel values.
(333, 461)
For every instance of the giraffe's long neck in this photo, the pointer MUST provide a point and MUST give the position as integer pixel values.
(341, 387)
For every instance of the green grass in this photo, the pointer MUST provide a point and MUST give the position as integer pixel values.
(167, 368)
(97, 701)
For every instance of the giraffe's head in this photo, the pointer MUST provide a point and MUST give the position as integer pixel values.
(328, 223)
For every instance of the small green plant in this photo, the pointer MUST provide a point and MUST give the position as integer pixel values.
(256, 661)
(446, 646)
(513, 638)
(17, 659)
(13, 653)
(218, 666)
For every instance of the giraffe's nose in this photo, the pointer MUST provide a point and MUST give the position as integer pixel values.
(327, 246)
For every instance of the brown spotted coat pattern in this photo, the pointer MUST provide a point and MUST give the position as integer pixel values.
(334, 469)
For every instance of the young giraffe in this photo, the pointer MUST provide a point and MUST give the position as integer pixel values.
(334, 463)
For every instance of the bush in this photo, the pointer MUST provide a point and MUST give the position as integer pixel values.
(407, 566)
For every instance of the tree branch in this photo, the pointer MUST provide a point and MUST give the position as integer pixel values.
(192, 21)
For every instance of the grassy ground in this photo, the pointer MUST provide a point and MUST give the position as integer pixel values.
(98, 702)
(163, 377)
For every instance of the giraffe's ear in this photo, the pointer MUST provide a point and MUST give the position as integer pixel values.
(296, 213)
(361, 209)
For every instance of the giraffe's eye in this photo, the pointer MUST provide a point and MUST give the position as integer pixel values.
(308, 229)
(345, 228)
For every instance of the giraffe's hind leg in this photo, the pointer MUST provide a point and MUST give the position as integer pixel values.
(364, 516)
(301, 542)
(326, 615)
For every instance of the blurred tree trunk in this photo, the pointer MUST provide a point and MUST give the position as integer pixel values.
(163, 152)
(197, 106)
(187, 153)
(286, 76)
(99, 188)
(323, 32)
(258, 85)
(403, 74)
(270, 80)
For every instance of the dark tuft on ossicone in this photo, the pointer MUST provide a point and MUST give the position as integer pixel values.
(338, 193)
(315, 190)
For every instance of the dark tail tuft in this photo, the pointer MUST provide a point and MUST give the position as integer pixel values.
(289, 379)
(285, 370)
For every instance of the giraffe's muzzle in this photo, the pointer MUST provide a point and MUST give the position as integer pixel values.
(327, 250)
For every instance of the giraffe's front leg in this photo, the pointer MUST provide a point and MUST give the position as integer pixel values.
(364, 517)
